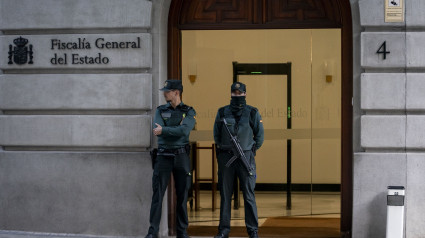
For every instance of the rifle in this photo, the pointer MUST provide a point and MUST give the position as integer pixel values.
(237, 150)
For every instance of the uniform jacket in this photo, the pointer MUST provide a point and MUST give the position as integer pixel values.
(176, 125)
(249, 129)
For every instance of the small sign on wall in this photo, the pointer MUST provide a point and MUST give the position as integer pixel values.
(394, 11)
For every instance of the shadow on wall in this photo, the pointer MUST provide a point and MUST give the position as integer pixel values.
(377, 224)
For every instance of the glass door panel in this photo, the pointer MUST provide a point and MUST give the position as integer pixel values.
(315, 55)
(326, 121)
(269, 94)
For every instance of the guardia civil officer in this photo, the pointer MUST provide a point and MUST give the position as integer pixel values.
(245, 123)
(172, 125)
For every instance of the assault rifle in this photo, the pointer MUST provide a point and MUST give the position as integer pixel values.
(237, 150)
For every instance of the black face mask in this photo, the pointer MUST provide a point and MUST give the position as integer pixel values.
(237, 103)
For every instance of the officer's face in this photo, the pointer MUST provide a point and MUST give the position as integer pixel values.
(170, 95)
(238, 93)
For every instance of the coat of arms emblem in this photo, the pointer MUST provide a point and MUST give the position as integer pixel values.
(20, 52)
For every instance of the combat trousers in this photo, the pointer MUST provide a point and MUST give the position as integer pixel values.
(226, 176)
(180, 167)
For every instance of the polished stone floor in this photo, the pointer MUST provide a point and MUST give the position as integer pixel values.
(269, 204)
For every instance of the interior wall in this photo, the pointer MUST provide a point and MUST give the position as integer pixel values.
(315, 102)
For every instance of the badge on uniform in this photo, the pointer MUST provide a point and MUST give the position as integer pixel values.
(166, 115)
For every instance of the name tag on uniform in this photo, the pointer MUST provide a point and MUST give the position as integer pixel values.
(166, 115)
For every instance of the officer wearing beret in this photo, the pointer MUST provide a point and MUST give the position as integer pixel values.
(172, 125)
(245, 123)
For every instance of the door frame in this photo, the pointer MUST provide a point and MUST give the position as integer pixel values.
(177, 21)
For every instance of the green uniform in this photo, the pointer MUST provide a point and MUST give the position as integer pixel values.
(248, 128)
(176, 125)
(172, 157)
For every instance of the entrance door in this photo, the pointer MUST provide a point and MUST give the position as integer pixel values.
(280, 14)
(300, 158)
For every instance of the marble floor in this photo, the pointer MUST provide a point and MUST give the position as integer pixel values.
(269, 204)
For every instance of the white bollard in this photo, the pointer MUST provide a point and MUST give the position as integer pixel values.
(395, 212)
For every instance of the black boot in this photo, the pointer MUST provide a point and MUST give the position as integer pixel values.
(221, 235)
(253, 234)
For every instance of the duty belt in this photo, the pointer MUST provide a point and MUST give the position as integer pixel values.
(171, 152)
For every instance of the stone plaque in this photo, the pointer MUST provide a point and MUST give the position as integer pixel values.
(383, 50)
(76, 51)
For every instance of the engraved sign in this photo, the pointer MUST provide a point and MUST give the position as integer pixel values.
(76, 51)
(394, 11)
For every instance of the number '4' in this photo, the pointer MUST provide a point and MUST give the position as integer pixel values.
(383, 50)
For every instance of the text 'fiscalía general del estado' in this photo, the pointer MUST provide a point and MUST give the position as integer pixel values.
(83, 44)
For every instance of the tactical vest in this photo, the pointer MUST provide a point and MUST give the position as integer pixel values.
(242, 129)
(173, 117)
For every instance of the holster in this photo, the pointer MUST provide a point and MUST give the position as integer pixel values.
(154, 153)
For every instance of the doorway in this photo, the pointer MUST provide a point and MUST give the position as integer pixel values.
(299, 102)
(333, 14)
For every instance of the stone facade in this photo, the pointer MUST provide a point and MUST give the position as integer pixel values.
(75, 137)
(391, 125)
(75, 131)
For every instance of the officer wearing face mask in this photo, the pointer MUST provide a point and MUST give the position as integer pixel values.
(245, 123)
(172, 125)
